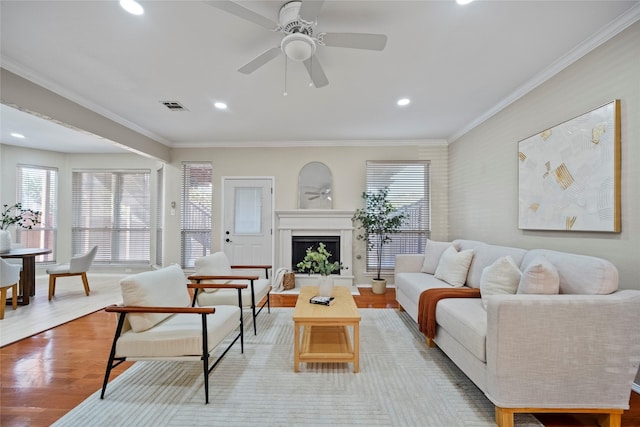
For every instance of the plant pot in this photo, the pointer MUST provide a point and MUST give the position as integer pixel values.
(5, 240)
(325, 286)
(379, 286)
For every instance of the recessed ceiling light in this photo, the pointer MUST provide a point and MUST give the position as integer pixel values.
(132, 6)
(17, 135)
(463, 2)
(220, 105)
(403, 101)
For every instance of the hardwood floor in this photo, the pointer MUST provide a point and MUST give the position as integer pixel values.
(45, 376)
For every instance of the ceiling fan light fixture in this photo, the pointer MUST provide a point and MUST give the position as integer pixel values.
(132, 6)
(298, 47)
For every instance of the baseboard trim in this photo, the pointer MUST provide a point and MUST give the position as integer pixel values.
(635, 387)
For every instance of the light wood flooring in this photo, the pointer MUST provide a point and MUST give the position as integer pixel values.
(45, 376)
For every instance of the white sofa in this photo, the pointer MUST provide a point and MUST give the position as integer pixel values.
(576, 351)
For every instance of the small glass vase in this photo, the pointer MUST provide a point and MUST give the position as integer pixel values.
(325, 286)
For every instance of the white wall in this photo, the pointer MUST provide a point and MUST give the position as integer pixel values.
(347, 164)
(483, 168)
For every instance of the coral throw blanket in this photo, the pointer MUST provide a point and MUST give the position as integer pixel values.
(428, 301)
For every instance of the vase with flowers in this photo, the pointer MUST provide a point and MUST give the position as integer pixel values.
(21, 217)
(317, 261)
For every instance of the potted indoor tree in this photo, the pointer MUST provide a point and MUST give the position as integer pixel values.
(378, 220)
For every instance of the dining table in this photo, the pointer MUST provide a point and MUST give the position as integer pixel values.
(28, 274)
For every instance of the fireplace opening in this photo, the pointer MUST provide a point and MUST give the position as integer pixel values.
(299, 245)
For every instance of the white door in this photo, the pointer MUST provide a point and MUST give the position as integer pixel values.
(247, 236)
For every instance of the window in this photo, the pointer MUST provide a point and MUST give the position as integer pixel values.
(37, 189)
(111, 209)
(408, 184)
(195, 228)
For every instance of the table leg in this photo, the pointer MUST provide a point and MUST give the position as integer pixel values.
(28, 278)
(356, 347)
(296, 346)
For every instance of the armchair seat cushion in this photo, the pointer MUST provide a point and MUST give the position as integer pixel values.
(59, 269)
(230, 296)
(179, 335)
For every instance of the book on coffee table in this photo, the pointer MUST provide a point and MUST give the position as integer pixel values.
(321, 300)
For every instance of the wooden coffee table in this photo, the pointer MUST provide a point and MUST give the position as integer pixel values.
(325, 336)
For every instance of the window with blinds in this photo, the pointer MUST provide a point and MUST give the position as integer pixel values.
(195, 214)
(409, 192)
(37, 189)
(111, 209)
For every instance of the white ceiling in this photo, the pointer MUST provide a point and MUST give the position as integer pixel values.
(458, 64)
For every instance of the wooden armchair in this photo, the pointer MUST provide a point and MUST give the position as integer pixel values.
(215, 268)
(157, 322)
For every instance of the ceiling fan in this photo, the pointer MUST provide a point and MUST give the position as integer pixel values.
(297, 20)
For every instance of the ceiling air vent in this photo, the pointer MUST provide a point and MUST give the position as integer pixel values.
(174, 105)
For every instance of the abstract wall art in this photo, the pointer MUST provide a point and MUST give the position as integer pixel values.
(569, 175)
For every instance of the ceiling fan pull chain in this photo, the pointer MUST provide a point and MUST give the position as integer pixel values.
(285, 75)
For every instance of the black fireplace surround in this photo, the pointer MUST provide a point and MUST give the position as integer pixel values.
(299, 245)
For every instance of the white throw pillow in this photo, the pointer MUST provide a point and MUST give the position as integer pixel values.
(454, 266)
(540, 277)
(166, 287)
(501, 277)
(432, 255)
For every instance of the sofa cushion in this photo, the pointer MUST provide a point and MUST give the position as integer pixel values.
(454, 266)
(484, 255)
(573, 270)
(501, 277)
(540, 277)
(413, 284)
(166, 287)
(466, 321)
(432, 255)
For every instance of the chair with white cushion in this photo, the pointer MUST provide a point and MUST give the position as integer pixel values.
(156, 322)
(9, 278)
(77, 266)
(215, 268)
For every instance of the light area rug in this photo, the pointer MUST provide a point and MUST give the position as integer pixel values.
(402, 382)
(68, 303)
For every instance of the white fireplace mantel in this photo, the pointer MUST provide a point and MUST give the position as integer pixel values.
(317, 222)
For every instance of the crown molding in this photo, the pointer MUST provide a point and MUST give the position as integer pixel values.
(313, 143)
(614, 28)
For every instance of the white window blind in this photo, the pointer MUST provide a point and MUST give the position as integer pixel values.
(197, 196)
(111, 209)
(409, 192)
(37, 189)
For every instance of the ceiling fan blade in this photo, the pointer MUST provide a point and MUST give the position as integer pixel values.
(244, 13)
(314, 197)
(310, 9)
(316, 72)
(355, 40)
(260, 60)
